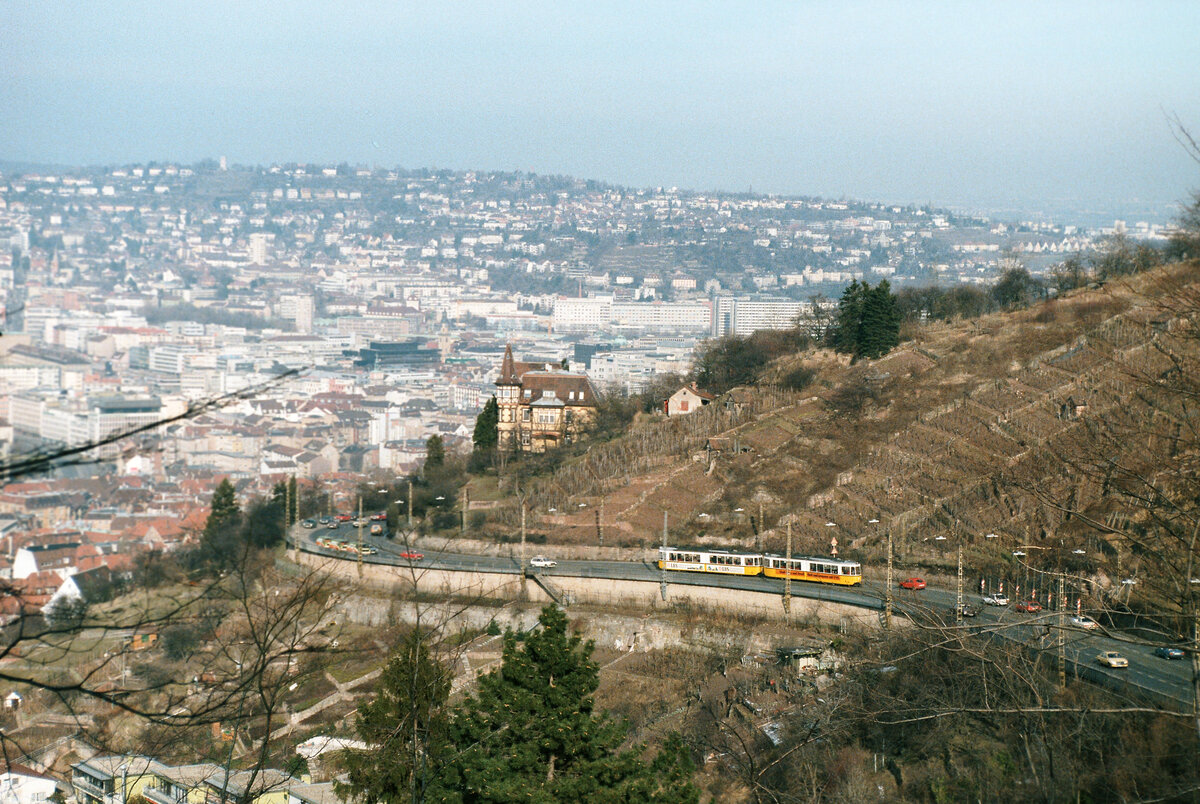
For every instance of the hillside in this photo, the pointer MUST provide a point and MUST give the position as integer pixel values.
(972, 423)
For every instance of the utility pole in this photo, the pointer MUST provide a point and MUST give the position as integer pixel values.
(887, 600)
(522, 534)
(360, 540)
(466, 501)
(761, 525)
(663, 571)
(787, 577)
(1062, 635)
(958, 605)
(410, 504)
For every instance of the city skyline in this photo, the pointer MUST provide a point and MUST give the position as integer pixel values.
(1021, 107)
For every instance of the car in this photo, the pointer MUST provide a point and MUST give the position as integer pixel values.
(368, 550)
(995, 600)
(967, 611)
(412, 556)
(343, 518)
(322, 542)
(379, 517)
(332, 526)
(1110, 658)
(542, 561)
(347, 547)
(308, 524)
(376, 529)
(1167, 652)
(1083, 621)
(912, 583)
(325, 520)
(1028, 606)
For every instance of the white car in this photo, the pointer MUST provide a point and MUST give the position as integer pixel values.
(995, 600)
(1111, 658)
(1083, 621)
(542, 561)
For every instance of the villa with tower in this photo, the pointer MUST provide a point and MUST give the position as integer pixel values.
(540, 405)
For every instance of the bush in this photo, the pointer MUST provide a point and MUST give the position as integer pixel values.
(797, 379)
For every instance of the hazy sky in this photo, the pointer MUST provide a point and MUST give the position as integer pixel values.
(965, 103)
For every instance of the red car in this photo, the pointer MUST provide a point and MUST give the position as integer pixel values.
(1028, 606)
(343, 517)
(912, 583)
(412, 556)
(378, 517)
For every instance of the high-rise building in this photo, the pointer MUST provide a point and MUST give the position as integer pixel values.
(258, 248)
(298, 309)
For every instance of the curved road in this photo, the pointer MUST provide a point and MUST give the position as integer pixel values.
(1165, 682)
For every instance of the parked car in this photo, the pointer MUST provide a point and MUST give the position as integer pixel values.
(1028, 606)
(542, 561)
(308, 524)
(1168, 652)
(411, 556)
(995, 600)
(1083, 621)
(322, 542)
(332, 525)
(912, 583)
(325, 520)
(380, 517)
(376, 529)
(368, 550)
(967, 611)
(1110, 658)
(343, 517)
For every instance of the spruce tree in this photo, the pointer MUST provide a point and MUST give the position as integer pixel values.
(405, 727)
(486, 435)
(879, 328)
(435, 453)
(845, 334)
(223, 526)
(530, 733)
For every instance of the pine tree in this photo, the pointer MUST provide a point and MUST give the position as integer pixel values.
(879, 328)
(405, 726)
(844, 336)
(223, 526)
(435, 452)
(530, 733)
(486, 435)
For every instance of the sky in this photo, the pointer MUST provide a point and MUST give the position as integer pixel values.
(971, 104)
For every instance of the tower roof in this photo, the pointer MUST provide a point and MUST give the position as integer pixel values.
(508, 369)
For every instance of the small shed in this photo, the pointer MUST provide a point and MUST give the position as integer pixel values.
(687, 399)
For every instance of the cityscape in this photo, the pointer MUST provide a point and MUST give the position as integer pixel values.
(613, 404)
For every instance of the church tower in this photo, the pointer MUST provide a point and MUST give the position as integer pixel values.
(508, 400)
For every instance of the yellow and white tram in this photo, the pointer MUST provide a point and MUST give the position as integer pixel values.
(689, 560)
(799, 568)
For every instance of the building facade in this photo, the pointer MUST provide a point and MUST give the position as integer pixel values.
(540, 407)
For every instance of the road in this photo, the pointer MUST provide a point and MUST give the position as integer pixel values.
(1163, 681)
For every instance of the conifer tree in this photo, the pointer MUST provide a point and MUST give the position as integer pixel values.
(435, 453)
(486, 435)
(845, 334)
(530, 733)
(879, 329)
(223, 526)
(405, 727)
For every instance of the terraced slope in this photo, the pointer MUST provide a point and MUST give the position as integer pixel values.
(961, 432)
